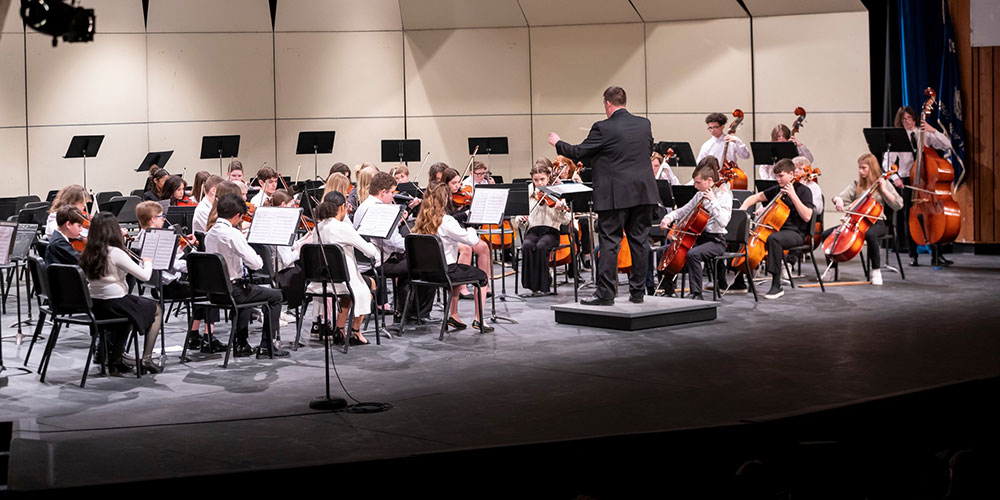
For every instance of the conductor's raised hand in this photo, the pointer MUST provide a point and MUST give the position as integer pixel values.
(554, 138)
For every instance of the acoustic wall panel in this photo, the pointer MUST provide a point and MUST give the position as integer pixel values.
(337, 15)
(256, 144)
(215, 76)
(12, 82)
(12, 19)
(113, 169)
(572, 128)
(572, 65)
(699, 66)
(446, 138)
(324, 75)
(14, 166)
(99, 82)
(208, 16)
(571, 12)
(116, 16)
(467, 72)
(451, 14)
(356, 141)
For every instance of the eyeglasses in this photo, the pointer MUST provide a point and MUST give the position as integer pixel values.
(161, 216)
(711, 127)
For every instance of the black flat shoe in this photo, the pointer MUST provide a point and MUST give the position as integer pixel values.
(456, 324)
(194, 341)
(355, 340)
(482, 328)
(636, 299)
(148, 366)
(338, 336)
(597, 301)
(242, 350)
(213, 347)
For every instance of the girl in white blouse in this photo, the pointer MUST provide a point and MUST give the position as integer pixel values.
(105, 262)
(434, 220)
(543, 231)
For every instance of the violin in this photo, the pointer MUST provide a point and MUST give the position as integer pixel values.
(81, 242)
(186, 201)
(935, 217)
(565, 168)
(462, 198)
(740, 177)
(685, 234)
(248, 217)
(846, 241)
(546, 199)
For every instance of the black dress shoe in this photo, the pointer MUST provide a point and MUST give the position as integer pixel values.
(482, 328)
(194, 341)
(456, 324)
(597, 301)
(941, 261)
(119, 369)
(213, 347)
(914, 262)
(636, 298)
(697, 296)
(242, 349)
(264, 352)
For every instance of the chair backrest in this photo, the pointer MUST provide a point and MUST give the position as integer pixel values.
(34, 215)
(425, 258)
(68, 293)
(267, 256)
(24, 200)
(200, 236)
(137, 192)
(208, 274)
(105, 196)
(332, 269)
(36, 269)
(36, 204)
(738, 229)
(812, 224)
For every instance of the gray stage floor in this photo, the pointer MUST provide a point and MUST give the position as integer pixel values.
(528, 382)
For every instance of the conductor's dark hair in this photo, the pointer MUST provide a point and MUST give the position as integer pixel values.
(717, 118)
(230, 205)
(615, 95)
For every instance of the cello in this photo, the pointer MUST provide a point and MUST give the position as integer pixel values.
(739, 176)
(768, 222)
(846, 241)
(935, 217)
(684, 235)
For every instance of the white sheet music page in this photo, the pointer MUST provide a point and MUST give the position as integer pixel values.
(161, 246)
(274, 225)
(488, 206)
(380, 220)
(6, 240)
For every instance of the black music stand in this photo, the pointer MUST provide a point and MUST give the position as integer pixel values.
(768, 153)
(666, 193)
(683, 194)
(684, 155)
(576, 195)
(883, 140)
(516, 196)
(84, 146)
(315, 143)
(490, 145)
(219, 146)
(158, 158)
(400, 150)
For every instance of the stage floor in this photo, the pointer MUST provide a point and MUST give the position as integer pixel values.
(527, 382)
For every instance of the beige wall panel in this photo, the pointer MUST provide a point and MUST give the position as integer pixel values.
(116, 16)
(658, 10)
(211, 16)
(99, 82)
(112, 170)
(357, 141)
(445, 14)
(12, 80)
(760, 8)
(565, 75)
(566, 12)
(210, 77)
(572, 128)
(12, 18)
(819, 62)
(337, 15)
(446, 138)
(445, 76)
(323, 75)
(14, 169)
(256, 144)
(699, 66)
(690, 127)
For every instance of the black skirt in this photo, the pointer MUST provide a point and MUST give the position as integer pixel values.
(463, 273)
(140, 311)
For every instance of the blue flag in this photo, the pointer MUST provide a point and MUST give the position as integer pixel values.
(949, 119)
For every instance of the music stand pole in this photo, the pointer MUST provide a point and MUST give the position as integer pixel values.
(493, 286)
(315, 161)
(220, 164)
(85, 168)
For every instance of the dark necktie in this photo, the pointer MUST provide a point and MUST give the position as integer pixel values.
(913, 141)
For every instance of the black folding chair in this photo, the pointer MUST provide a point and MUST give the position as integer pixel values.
(737, 236)
(428, 267)
(805, 248)
(37, 268)
(327, 265)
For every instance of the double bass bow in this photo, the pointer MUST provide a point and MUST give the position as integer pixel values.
(683, 236)
(739, 176)
(935, 217)
(846, 241)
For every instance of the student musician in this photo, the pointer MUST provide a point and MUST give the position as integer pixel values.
(358, 196)
(198, 188)
(106, 262)
(224, 188)
(480, 175)
(290, 277)
(799, 201)
(801, 162)
(267, 179)
(341, 168)
(718, 201)
(154, 185)
(662, 171)
(869, 173)
(70, 227)
(715, 144)
(225, 239)
(201, 212)
(75, 196)
(433, 219)
(781, 133)
(173, 189)
(435, 171)
(909, 120)
(401, 173)
(542, 235)
(235, 172)
(333, 227)
(481, 249)
(150, 216)
(337, 182)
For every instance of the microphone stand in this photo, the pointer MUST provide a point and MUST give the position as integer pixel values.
(327, 402)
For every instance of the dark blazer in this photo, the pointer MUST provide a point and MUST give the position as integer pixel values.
(620, 148)
(60, 251)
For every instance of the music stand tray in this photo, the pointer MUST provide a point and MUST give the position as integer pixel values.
(489, 145)
(400, 150)
(685, 156)
(158, 158)
(768, 153)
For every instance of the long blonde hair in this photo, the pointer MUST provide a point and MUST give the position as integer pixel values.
(337, 182)
(71, 195)
(365, 175)
(224, 188)
(874, 172)
(432, 209)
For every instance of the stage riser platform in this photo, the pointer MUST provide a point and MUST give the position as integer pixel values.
(654, 312)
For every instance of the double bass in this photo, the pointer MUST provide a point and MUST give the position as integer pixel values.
(768, 222)
(846, 241)
(685, 233)
(800, 114)
(935, 217)
(739, 176)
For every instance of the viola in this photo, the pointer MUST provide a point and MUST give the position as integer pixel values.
(79, 243)
(462, 198)
(846, 241)
(248, 217)
(685, 234)
(564, 168)
(768, 222)
(186, 201)
(739, 176)
(935, 217)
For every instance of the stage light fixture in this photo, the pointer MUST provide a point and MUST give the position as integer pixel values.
(57, 18)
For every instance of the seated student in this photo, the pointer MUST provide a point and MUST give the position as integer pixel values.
(781, 133)
(480, 175)
(718, 201)
(799, 201)
(224, 239)
(661, 170)
(106, 263)
(290, 279)
(70, 226)
(150, 216)
(204, 208)
(433, 219)
(154, 191)
(224, 188)
(401, 173)
(800, 163)
(542, 236)
(173, 189)
(235, 172)
(341, 168)
(357, 196)
(435, 171)
(337, 182)
(267, 179)
(450, 177)
(74, 196)
(333, 227)
(198, 188)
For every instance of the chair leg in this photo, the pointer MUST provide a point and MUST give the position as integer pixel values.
(479, 309)
(864, 264)
(299, 314)
(34, 338)
(749, 278)
(899, 260)
(43, 365)
(447, 313)
(190, 323)
(90, 355)
(788, 270)
(406, 309)
(232, 334)
(138, 355)
(818, 277)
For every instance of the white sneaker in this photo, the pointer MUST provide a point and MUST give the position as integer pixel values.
(287, 318)
(828, 275)
(877, 277)
(282, 323)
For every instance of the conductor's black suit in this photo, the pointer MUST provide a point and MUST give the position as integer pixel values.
(624, 194)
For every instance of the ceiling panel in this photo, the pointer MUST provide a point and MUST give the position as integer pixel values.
(566, 12)
(445, 14)
(658, 10)
(337, 15)
(762, 8)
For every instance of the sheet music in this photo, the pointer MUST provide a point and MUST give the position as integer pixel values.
(6, 241)
(161, 246)
(23, 239)
(274, 225)
(488, 206)
(380, 220)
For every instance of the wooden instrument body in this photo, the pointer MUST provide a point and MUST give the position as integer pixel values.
(769, 222)
(846, 241)
(502, 237)
(682, 240)
(563, 255)
(739, 177)
(624, 255)
(934, 218)
(740, 180)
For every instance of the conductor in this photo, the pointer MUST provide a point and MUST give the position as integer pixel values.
(624, 192)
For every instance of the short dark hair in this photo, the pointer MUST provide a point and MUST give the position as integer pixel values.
(784, 165)
(68, 213)
(381, 180)
(717, 118)
(330, 206)
(235, 165)
(898, 121)
(230, 205)
(708, 167)
(615, 95)
(342, 168)
(266, 173)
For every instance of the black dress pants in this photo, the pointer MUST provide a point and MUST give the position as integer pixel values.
(635, 221)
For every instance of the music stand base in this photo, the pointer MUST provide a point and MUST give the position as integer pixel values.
(328, 403)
